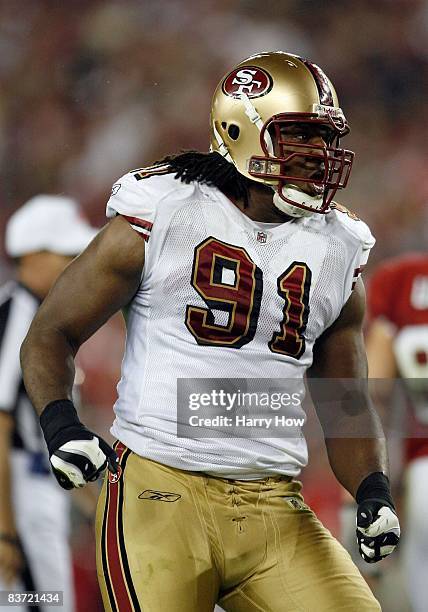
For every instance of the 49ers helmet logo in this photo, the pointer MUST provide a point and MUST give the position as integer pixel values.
(113, 478)
(249, 80)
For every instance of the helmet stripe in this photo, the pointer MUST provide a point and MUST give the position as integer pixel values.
(323, 86)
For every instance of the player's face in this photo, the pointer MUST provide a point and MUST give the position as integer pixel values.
(308, 159)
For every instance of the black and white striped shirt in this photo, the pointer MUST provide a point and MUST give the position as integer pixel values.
(18, 306)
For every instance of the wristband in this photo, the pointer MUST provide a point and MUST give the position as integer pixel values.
(60, 424)
(56, 416)
(375, 486)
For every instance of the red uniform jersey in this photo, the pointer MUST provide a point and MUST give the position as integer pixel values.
(398, 293)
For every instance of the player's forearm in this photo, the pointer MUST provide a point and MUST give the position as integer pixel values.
(47, 360)
(353, 457)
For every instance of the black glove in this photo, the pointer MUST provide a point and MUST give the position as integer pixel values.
(378, 529)
(77, 455)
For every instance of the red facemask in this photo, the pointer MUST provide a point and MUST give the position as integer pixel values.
(325, 167)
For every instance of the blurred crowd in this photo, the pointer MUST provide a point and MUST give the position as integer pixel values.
(92, 88)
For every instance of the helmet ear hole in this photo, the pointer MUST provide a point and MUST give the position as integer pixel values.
(224, 125)
(233, 131)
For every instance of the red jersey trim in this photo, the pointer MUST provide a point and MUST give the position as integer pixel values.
(139, 222)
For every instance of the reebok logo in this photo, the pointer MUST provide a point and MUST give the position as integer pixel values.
(164, 496)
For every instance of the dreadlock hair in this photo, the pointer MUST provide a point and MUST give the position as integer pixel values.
(211, 169)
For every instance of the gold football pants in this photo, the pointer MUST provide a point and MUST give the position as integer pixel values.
(175, 541)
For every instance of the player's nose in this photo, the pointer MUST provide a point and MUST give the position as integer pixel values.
(316, 139)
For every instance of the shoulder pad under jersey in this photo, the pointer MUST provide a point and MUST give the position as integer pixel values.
(350, 224)
(137, 194)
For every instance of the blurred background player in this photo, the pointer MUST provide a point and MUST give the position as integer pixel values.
(42, 237)
(397, 346)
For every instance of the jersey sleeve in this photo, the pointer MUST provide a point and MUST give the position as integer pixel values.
(135, 199)
(358, 241)
(361, 247)
(367, 243)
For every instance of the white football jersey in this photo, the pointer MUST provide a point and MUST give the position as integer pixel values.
(222, 296)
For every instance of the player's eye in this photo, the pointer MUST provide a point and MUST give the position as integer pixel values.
(299, 137)
(304, 133)
(291, 134)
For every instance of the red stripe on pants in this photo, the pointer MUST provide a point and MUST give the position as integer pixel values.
(112, 545)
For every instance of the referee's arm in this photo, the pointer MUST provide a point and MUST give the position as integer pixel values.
(11, 560)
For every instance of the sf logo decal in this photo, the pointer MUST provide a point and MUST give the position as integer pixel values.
(249, 80)
(114, 478)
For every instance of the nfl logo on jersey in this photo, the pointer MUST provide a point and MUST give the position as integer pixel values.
(261, 237)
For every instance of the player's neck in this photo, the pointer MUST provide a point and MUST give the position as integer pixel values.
(260, 206)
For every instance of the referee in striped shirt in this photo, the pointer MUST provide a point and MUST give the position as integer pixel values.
(42, 237)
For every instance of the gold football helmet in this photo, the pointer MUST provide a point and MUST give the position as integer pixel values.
(251, 107)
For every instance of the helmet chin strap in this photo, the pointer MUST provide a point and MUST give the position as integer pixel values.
(254, 117)
(292, 193)
(221, 146)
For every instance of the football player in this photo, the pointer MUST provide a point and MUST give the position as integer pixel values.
(233, 261)
(397, 346)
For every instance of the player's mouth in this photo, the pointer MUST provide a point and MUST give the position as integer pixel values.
(312, 173)
(314, 190)
(316, 175)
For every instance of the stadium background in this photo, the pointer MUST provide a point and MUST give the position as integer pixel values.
(90, 89)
